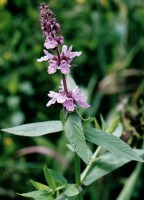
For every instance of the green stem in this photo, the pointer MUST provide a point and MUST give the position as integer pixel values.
(77, 174)
(57, 193)
(85, 172)
(82, 117)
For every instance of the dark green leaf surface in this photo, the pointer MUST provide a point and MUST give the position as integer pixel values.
(74, 132)
(111, 143)
(36, 129)
(104, 165)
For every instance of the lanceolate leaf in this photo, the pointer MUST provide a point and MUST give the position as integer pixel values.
(38, 195)
(36, 129)
(104, 165)
(40, 186)
(58, 178)
(74, 132)
(111, 143)
(49, 178)
(130, 184)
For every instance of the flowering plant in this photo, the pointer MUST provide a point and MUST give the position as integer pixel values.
(78, 131)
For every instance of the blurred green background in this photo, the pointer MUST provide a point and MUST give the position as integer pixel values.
(110, 35)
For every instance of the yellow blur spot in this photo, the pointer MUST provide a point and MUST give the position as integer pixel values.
(3, 2)
(8, 141)
(104, 3)
(81, 1)
(7, 55)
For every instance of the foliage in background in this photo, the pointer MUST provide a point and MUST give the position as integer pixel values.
(110, 36)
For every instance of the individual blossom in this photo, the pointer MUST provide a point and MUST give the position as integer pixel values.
(50, 27)
(69, 100)
(63, 62)
(53, 42)
(68, 55)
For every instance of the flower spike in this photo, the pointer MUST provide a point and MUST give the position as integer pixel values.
(59, 61)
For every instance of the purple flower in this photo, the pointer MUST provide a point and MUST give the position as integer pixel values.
(47, 57)
(59, 61)
(68, 55)
(69, 105)
(63, 62)
(69, 100)
(52, 67)
(50, 27)
(50, 43)
(54, 97)
(64, 67)
(79, 97)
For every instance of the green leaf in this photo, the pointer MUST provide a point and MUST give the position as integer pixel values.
(111, 143)
(130, 184)
(58, 178)
(49, 178)
(118, 131)
(40, 186)
(54, 178)
(36, 129)
(104, 125)
(74, 132)
(96, 123)
(38, 195)
(113, 125)
(104, 165)
(62, 116)
(71, 191)
(70, 82)
(62, 196)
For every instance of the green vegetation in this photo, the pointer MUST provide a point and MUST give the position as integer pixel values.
(110, 35)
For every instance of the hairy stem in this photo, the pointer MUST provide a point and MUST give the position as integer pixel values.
(63, 76)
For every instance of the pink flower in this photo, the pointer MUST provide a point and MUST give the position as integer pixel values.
(52, 67)
(50, 43)
(69, 105)
(62, 63)
(68, 55)
(53, 42)
(79, 97)
(46, 57)
(64, 67)
(69, 100)
(54, 97)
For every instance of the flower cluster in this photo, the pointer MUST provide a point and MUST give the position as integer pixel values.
(59, 61)
(69, 100)
(50, 27)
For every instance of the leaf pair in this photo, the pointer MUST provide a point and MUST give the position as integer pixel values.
(75, 134)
